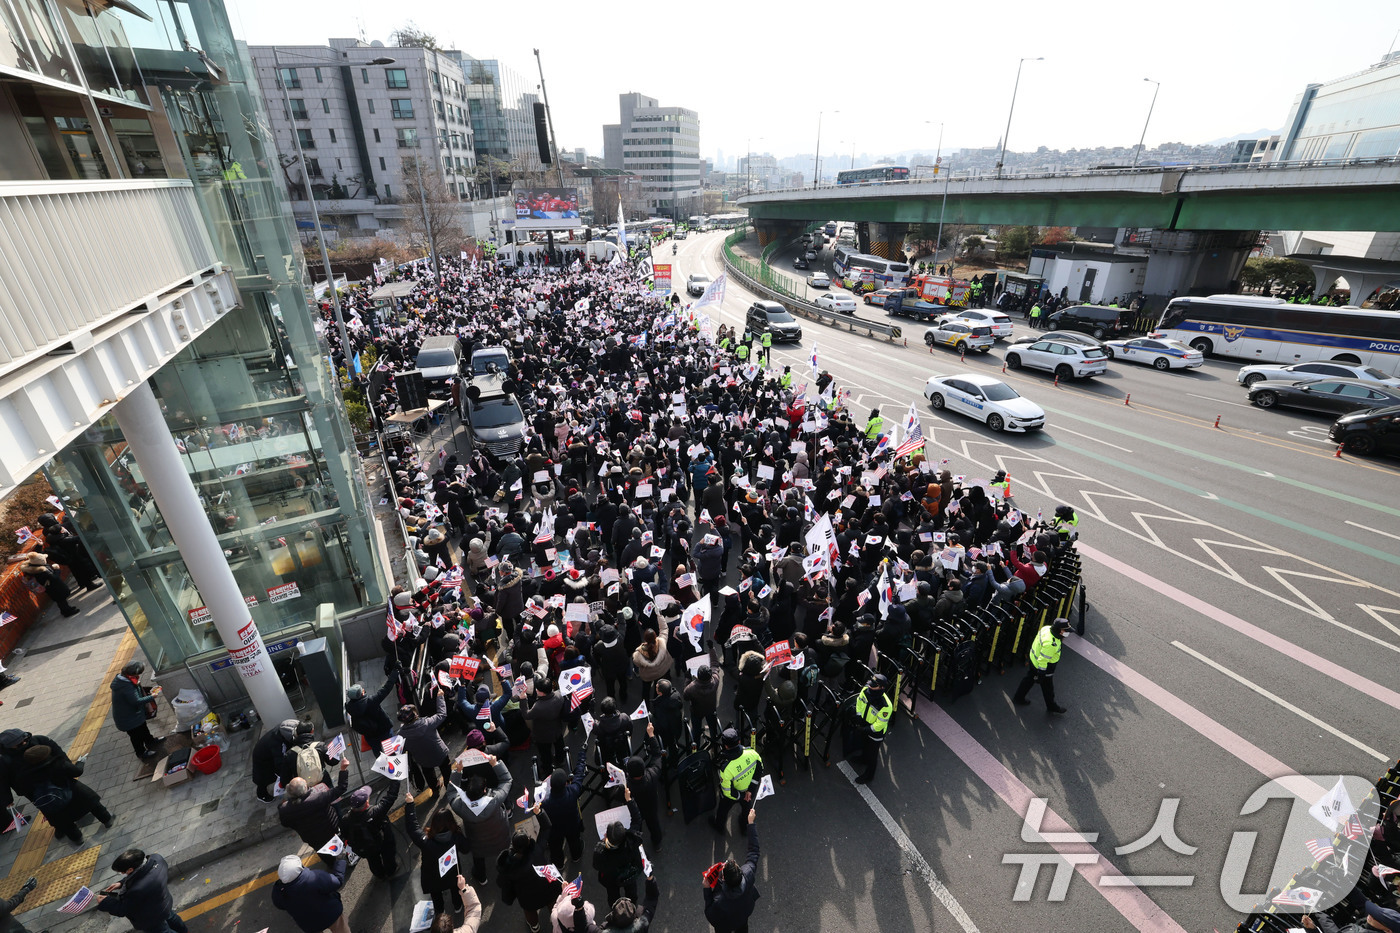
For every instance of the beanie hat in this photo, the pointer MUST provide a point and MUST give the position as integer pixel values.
(289, 869)
(635, 767)
(475, 739)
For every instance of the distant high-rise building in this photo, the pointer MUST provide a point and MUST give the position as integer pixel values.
(501, 105)
(660, 145)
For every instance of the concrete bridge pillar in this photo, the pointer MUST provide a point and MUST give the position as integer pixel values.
(863, 237)
(767, 230)
(887, 241)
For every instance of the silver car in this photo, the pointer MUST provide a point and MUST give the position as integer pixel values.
(1249, 375)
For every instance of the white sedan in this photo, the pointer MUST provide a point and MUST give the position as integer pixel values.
(1298, 372)
(986, 399)
(1157, 353)
(819, 280)
(832, 301)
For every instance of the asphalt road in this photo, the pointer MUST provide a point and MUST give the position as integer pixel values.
(1243, 625)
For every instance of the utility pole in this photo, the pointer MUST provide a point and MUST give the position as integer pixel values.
(553, 139)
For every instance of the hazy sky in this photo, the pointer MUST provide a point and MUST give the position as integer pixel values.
(762, 71)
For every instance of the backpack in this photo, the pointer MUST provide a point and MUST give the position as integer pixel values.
(51, 798)
(309, 766)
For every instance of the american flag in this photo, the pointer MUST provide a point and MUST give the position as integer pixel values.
(574, 888)
(579, 695)
(1352, 828)
(1320, 849)
(913, 434)
(79, 902)
(7, 617)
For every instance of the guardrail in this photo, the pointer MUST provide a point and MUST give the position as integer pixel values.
(752, 275)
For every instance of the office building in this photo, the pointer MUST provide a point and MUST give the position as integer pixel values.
(660, 145)
(369, 116)
(501, 105)
(158, 359)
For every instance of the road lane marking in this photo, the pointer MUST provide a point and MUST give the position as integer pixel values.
(1094, 439)
(1282, 702)
(1221, 401)
(1120, 892)
(1268, 639)
(906, 845)
(1369, 528)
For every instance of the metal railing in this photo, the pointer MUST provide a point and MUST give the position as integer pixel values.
(75, 254)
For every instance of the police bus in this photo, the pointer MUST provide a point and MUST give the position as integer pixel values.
(873, 175)
(862, 272)
(1270, 330)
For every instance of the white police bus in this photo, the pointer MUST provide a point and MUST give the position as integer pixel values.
(863, 272)
(1270, 330)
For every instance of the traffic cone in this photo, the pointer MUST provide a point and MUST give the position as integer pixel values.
(1128, 399)
(1003, 367)
(1217, 421)
(1057, 381)
(1338, 454)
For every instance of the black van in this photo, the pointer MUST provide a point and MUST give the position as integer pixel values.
(1096, 320)
(771, 317)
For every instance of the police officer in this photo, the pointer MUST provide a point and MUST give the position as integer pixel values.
(737, 775)
(874, 709)
(1045, 654)
(742, 350)
(875, 426)
(366, 829)
(767, 346)
(786, 378)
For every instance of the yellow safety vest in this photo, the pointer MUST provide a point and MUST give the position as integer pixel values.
(1045, 650)
(767, 341)
(878, 718)
(786, 380)
(736, 776)
(874, 427)
(743, 351)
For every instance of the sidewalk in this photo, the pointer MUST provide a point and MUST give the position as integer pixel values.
(66, 666)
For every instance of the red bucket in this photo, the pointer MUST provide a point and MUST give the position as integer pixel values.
(207, 760)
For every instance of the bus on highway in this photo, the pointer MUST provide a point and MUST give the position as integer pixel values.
(873, 175)
(864, 273)
(1270, 330)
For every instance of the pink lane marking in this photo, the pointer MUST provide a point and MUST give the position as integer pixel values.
(1124, 896)
(1174, 706)
(1249, 630)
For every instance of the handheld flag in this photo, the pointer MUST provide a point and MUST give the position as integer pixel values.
(17, 819)
(1320, 849)
(447, 861)
(549, 873)
(816, 373)
(78, 902)
(616, 776)
(640, 712)
(1299, 897)
(336, 747)
(392, 745)
(334, 848)
(394, 767)
(574, 888)
(765, 788)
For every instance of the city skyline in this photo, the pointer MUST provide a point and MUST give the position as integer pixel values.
(1244, 72)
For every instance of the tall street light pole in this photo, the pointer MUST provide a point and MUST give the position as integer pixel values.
(1014, 91)
(554, 140)
(817, 160)
(316, 214)
(1150, 107)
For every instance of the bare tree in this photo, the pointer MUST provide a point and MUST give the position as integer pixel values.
(430, 209)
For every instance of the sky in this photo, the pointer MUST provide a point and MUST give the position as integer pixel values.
(760, 74)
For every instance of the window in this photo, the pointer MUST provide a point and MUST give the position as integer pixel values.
(382, 168)
(287, 78)
(441, 111)
(371, 105)
(298, 108)
(364, 76)
(376, 135)
(401, 108)
(387, 192)
(396, 77)
(408, 138)
(332, 132)
(325, 105)
(318, 76)
(305, 138)
(338, 165)
(313, 168)
(433, 76)
(1356, 392)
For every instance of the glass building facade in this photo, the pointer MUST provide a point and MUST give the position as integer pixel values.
(251, 404)
(1355, 117)
(501, 104)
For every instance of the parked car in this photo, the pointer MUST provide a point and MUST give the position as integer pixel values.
(1157, 353)
(844, 304)
(770, 317)
(959, 334)
(1330, 396)
(1369, 431)
(878, 296)
(1065, 360)
(987, 399)
(998, 322)
(1097, 320)
(1065, 336)
(819, 280)
(696, 284)
(1298, 372)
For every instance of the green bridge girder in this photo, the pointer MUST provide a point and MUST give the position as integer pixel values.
(1372, 208)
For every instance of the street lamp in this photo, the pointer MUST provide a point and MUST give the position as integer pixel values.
(817, 159)
(1150, 106)
(316, 214)
(1016, 89)
(938, 156)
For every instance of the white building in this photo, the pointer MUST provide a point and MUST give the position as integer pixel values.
(660, 145)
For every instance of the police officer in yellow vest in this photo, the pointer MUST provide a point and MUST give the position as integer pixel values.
(875, 426)
(874, 709)
(1045, 654)
(785, 380)
(767, 346)
(742, 350)
(738, 778)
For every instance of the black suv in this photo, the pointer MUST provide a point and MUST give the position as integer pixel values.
(771, 317)
(1096, 320)
(1371, 431)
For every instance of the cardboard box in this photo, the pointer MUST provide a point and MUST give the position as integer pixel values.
(173, 768)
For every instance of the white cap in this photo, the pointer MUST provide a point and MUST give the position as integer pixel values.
(289, 869)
